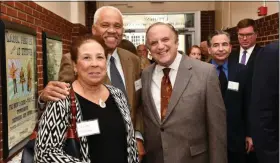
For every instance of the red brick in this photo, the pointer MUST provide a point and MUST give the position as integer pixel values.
(12, 12)
(21, 15)
(25, 23)
(39, 48)
(32, 26)
(276, 15)
(269, 28)
(19, 6)
(28, 10)
(32, 5)
(267, 33)
(10, 3)
(259, 39)
(5, 17)
(40, 80)
(16, 21)
(30, 19)
(263, 38)
(276, 37)
(275, 31)
(45, 11)
(267, 18)
(36, 14)
(39, 8)
(42, 16)
(39, 42)
(270, 37)
(26, 2)
(38, 22)
(3, 9)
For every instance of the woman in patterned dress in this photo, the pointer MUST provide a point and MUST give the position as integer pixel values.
(115, 142)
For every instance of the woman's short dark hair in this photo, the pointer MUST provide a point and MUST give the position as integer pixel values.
(81, 40)
(194, 46)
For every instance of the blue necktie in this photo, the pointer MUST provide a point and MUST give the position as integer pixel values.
(116, 78)
(243, 59)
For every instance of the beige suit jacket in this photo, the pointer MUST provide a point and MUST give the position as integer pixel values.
(194, 129)
(131, 69)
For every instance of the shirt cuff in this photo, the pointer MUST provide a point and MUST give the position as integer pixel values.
(138, 135)
(41, 103)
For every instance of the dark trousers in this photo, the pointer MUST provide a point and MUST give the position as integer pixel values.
(251, 158)
(236, 157)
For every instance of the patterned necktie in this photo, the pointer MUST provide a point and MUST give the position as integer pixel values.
(116, 78)
(223, 80)
(166, 91)
(243, 59)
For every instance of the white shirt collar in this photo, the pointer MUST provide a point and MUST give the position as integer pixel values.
(173, 66)
(114, 54)
(249, 51)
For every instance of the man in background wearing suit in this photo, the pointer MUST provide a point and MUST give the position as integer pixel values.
(246, 54)
(184, 114)
(264, 108)
(123, 67)
(232, 76)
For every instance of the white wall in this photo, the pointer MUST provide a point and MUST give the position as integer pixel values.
(144, 7)
(71, 11)
(228, 14)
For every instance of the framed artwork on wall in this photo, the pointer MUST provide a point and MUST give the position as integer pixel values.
(19, 85)
(52, 54)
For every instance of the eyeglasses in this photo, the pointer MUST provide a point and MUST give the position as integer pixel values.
(248, 35)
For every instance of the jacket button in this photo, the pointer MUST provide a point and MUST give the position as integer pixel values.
(162, 129)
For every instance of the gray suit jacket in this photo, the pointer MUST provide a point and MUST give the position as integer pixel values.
(194, 130)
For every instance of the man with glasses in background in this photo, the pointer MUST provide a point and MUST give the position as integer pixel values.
(246, 55)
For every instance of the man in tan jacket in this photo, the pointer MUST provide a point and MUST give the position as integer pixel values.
(108, 24)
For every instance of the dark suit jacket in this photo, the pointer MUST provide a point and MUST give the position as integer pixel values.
(249, 74)
(265, 104)
(235, 106)
(194, 129)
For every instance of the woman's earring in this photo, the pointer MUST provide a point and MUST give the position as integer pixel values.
(75, 73)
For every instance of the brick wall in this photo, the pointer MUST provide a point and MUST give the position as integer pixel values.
(207, 21)
(30, 14)
(268, 30)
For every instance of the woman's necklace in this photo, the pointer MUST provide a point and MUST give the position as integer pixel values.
(101, 103)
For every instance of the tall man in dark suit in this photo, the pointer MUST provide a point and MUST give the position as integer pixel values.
(232, 83)
(123, 67)
(265, 104)
(184, 114)
(246, 54)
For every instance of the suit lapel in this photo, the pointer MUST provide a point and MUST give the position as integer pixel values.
(254, 53)
(183, 77)
(150, 97)
(127, 70)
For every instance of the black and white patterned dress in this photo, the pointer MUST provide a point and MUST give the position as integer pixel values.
(54, 124)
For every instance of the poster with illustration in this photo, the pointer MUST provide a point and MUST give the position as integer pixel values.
(21, 85)
(52, 54)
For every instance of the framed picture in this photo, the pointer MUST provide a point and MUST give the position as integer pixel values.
(52, 54)
(19, 85)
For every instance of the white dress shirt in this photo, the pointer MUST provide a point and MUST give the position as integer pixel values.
(118, 65)
(248, 54)
(157, 77)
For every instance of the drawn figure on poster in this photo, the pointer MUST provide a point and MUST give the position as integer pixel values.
(29, 76)
(22, 78)
(13, 71)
